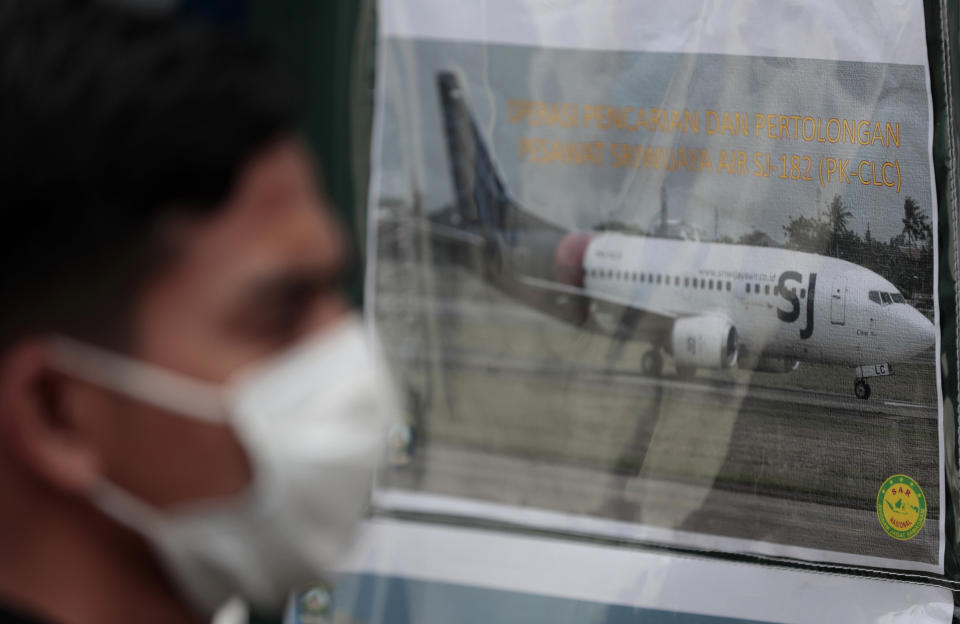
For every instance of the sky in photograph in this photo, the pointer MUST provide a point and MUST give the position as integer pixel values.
(412, 153)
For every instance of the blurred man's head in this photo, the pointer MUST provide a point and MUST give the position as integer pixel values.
(155, 202)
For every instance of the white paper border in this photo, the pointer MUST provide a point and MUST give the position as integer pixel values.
(439, 505)
(636, 578)
(886, 29)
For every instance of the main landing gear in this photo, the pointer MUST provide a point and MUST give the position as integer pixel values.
(652, 363)
(861, 389)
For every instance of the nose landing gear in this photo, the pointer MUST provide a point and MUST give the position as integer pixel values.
(860, 387)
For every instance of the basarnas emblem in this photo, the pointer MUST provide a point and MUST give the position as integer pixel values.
(314, 606)
(901, 507)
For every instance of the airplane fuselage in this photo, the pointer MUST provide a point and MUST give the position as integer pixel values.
(783, 303)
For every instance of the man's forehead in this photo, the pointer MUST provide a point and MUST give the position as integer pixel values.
(276, 172)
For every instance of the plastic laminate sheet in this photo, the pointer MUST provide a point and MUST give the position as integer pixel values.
(663, 273)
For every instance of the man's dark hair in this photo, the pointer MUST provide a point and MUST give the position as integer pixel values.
(110, 121)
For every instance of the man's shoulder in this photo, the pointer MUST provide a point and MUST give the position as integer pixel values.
(11, 615)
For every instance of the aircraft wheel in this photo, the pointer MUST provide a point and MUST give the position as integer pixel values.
(686, 372)
(651, 363)
(862, 389)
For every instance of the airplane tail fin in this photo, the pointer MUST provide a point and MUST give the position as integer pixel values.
(514, 243)
(481, 195)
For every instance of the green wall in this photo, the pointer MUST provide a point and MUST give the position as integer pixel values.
(330, 44)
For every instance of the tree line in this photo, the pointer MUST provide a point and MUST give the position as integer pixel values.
(906, 259)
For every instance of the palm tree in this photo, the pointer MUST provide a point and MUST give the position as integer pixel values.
(838, 217)
(916, 226)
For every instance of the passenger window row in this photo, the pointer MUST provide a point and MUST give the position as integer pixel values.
(756, 290)
(701, 283)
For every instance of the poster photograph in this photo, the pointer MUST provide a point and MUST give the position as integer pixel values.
(663, 276)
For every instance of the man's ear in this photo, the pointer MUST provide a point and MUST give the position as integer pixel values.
(50, 424)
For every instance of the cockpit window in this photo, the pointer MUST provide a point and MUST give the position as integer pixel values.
(885, 298)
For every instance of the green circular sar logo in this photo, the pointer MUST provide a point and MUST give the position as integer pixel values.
(901, 507)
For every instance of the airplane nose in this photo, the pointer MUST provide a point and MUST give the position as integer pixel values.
(919, 334)
(930, 333)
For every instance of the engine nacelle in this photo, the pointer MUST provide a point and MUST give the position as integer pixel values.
(769, 364)
(708, 341)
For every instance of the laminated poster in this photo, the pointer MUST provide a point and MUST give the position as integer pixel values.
(663, 274)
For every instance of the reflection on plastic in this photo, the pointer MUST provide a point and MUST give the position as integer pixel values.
(628, 289)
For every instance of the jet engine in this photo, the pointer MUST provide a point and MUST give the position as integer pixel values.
(708, 341)
(769, 364)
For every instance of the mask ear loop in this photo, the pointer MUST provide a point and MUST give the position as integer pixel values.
(142, 381)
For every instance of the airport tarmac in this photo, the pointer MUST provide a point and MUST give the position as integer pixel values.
(784, 467)
(708, 388)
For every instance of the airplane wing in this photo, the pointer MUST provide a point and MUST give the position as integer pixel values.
(441, 230)
(575, 291)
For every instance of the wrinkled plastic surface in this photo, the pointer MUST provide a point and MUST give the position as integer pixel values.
(634, 269)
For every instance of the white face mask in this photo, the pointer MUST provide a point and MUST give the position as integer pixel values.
(314, 422)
